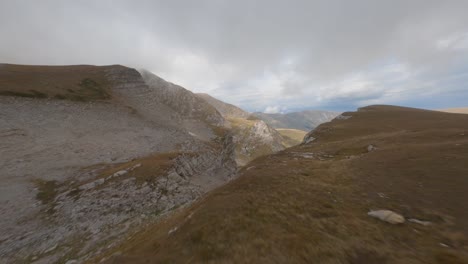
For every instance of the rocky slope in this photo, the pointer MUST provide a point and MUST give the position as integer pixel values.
(305, 120)
(186, 104)
(252, 137)
(332, 200)
(89, 153)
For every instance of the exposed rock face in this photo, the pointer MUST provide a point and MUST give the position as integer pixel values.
(76, 174)
(252, 137)
(182, 101)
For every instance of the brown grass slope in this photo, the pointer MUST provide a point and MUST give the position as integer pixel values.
(77, 82)
(309, 203)
(292, 137)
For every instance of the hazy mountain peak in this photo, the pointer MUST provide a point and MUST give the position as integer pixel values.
(226, 109)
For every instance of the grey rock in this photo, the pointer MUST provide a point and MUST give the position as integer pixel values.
(424, 223)
(371, 148)
(387, 216)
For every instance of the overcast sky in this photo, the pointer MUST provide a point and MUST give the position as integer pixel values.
(273, 56)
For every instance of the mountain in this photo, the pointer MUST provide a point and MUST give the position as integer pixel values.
(252, 137)
(89, 153)
(459, 110)
(305, 120)
(227, 110)
(314, 203)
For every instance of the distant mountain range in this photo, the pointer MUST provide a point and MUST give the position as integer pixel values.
(304, 120)
(292, 126)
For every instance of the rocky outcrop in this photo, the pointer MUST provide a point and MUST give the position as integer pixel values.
(251, 137)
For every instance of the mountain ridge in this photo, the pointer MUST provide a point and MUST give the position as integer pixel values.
(91, 151)
(252, 137)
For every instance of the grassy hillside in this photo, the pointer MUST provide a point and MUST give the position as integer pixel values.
(78, 83)
(309, 203)
(291, 137)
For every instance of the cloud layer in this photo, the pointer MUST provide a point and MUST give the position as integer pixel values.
(261, 55)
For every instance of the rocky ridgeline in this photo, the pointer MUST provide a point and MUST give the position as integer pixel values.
(182, 101)
(60, 203)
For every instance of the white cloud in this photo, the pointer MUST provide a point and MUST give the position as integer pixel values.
(454, 42)
(273, 109)
(304, 54)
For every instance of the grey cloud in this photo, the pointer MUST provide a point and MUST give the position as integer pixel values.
(228, 47)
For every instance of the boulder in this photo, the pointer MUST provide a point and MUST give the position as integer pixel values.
(387, 216)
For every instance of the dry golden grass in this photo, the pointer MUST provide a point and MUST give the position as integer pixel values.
(292, 137)
(309, 203)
